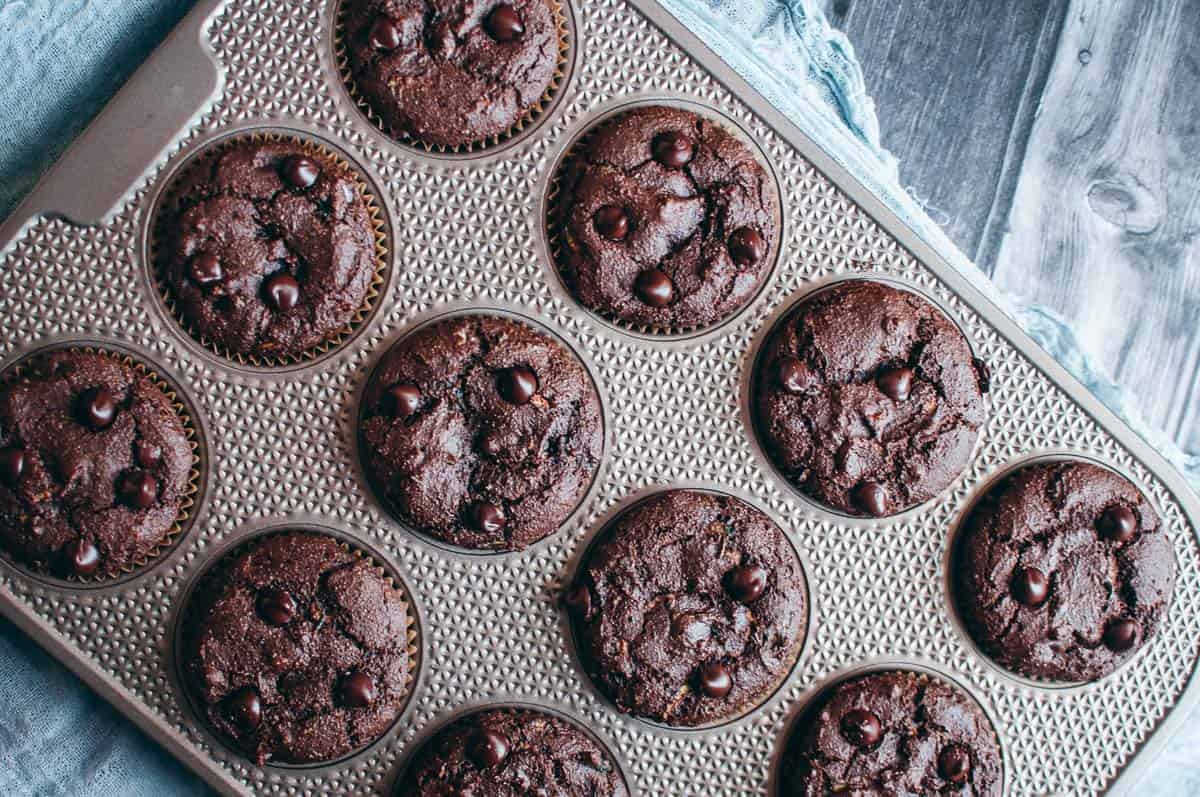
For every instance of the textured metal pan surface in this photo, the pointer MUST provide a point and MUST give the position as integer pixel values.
(469, 233)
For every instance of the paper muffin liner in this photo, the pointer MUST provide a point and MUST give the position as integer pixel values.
(556, 216)
(194, 600)
(191, 493)
(170, 198)
(526, 121)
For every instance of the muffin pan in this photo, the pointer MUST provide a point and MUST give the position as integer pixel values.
(469, 231)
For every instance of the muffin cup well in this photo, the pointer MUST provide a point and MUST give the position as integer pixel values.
(192, 492)
(170, 197)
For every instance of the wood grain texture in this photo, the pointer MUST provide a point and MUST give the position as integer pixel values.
(1105, 223)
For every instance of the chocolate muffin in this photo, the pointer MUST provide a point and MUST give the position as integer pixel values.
(481, 432)
(94, 465)
(512, 753)
(299, 650)
(869, 399)
(893, 732)
(690, 609)
(1064, 571)
(665, 220)
(267, 248)
(451, 72)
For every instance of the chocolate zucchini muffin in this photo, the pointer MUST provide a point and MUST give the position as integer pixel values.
(869, 399)
(690, 609)
(451, 72)
(267, 248)
(1064, 571)
(94, 465)
(890, 733)
(512, 753)
(665, 220)
(298, 650)
(481, 432)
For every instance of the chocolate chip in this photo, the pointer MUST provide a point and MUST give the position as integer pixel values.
(245, 708)
(746, 583)
(1118, 523)
(954, 763)
(673, 149)
(579, 600)
(282, 291)
(747, 246)
(654, 288)
(492, 444)
(96, 408)
(872, 498)
(384, 35)
(612, 222)
(357, 690)
(983, 374)
(488, 518)
(147, 454)
(517, 385)
(861, 728)
(794, 375)
(12, 465)
(504, 24)
(1030, 586)
(715, 680)
(299, 171)
(275, 606)
(488, 748)
(80, 557)
(138, 489)
(1121, 634)
(895, 383)
(206, 269)
(403, 400)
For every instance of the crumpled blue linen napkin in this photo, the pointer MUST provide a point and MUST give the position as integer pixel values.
(56, 736)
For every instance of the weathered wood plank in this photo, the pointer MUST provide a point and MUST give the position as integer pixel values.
(955, 85)
(1105, 223)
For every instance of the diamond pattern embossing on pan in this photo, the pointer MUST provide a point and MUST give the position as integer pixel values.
(281, 445)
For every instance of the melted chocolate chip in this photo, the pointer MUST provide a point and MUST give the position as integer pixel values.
(861, 728)
(983, 374)
(12, 465)
(80, 557)
(147, 454)
(299, 171)
(1121, 634)
(357, 690)
(488, 748)
(579, 600)
(746, 583)
(282, 291)
(403, 400)
(612, 222)
(384, 35)
(673, 149)
(96, 408)
(872, 498)
(517, 385)
(954, 763)
(747, 246)
(896, 383)
(654, 288)
(1118, 523)
(138, 489)
(488, 518)
(244, 708)
(794, 375)
(504, 24)
(275, 606)
(206, 269)
(715, 680)
(1030, 586)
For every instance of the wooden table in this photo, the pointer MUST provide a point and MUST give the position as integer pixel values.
(1058, 144)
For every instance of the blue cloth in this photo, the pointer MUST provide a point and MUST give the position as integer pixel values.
(65, 59)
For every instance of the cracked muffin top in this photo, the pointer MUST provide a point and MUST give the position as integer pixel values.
(299, 649)
(1064, 572)
(512, 753)
(869, 399)
(94, 465)
(268, 248)
(481, 432)
(892, 733)
(690, 609)
(666, 220)
(451, 72)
